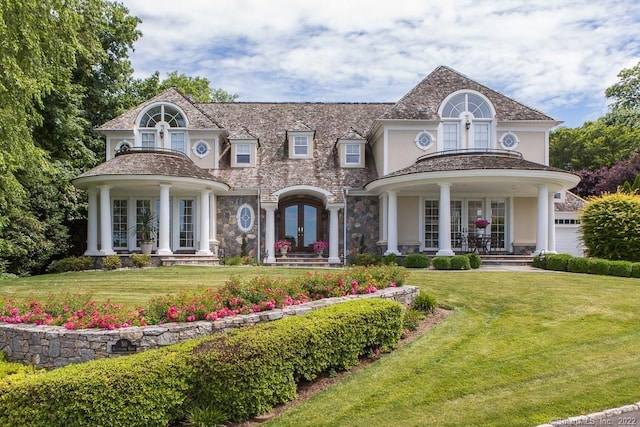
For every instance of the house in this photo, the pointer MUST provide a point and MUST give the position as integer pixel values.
(404, 177)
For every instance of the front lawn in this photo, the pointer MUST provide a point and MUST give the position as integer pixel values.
(521, 348)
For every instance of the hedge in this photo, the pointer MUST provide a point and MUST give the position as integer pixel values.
(456, 262)
(416, 261)
(249, 371)
(242, 373)
(599, 266)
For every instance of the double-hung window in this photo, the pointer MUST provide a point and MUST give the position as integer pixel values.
(301, 146)
(243, 154)
(352, 154)
(177, 142)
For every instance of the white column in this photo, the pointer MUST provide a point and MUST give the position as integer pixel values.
(444, 221)
(334, 235)
(164, 241)
(551, 244)
(542, 229)
(106, 247)
(204, 223)
(92, 223)
(392, 223)
(213, 232)
(270, 232)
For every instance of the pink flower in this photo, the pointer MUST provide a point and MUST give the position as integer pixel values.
(191, 318)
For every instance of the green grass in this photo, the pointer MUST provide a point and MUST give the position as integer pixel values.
(520, 349)
(130, 287)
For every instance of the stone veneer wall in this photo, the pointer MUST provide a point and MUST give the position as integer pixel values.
(55, 346)
(362, 220)
(228, 233)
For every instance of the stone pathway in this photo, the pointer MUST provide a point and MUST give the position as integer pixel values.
(624, 416)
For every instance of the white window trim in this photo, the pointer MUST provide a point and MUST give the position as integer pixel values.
(419, 136)
(119, 145)
(253, 217)
(194, 148)
(506, 134)
(292, 135)
(347, 154)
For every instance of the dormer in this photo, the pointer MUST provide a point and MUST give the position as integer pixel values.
(162, 125)
(244, 149)
(300, 140)
(468, 122)
(351, 149)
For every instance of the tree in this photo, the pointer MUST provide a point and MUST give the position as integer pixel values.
(198, 89)
(626, 93)
(594, 145)
(610, 227)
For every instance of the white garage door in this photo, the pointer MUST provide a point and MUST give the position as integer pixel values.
(567, 241)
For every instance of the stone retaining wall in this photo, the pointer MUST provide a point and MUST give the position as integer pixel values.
(55, 346)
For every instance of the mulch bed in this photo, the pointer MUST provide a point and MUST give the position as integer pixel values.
(309, 389)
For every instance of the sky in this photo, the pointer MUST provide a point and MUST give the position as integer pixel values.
(558, 56)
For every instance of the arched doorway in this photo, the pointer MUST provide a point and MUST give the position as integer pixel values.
(301, 222)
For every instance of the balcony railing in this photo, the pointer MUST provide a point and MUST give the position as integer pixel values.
(473, 152)
(131, 150)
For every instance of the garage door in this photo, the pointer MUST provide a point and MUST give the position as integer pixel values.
(567, 240)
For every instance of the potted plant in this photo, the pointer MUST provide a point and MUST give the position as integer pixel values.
(146, 230)
(481, 224)
(283, 246)
(319, 247)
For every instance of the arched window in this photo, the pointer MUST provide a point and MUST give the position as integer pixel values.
(466, 122)
(163, 123)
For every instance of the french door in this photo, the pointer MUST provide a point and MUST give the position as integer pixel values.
(301, 223)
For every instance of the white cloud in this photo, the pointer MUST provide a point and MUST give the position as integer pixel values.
(551, 54)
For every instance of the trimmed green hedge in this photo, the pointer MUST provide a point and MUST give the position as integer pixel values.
(242, 373)
(247, 372)
(475, 261)
(599, 266)
(144, 389)
(416, 261)
(456, 262)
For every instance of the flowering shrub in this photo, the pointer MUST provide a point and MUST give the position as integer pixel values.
(72, 312)
(281, 243)
(318, 247)
(235, 297)
(482, 223)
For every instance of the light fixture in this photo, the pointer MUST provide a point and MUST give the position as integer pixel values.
(162, 131)
(467, 125)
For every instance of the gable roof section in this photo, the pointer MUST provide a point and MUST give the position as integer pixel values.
(422, 102)
(198, 119)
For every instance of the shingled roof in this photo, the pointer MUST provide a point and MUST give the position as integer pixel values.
(471, 161)
(198, 119)
(423, 101)
(270, 122)
(165, 163)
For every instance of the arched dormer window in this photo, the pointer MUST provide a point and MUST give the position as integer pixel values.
(467, 122)
(163, 126)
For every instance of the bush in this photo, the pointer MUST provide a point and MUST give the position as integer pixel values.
(578, 265)
(635, 269)
(540, 261)
(599, 266)
(620, 268)
(240, 374)
(460, 262)
(610, 227)
(71, 264)
(141, 260)
(441, 262)
(143, 389)
(557, 262)
(475, 261)
(416, 261)
(112, 262)
(248, 371)
(390, 259)
(425, 303)
(366, 259)
(411, 319)
(234, 260)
